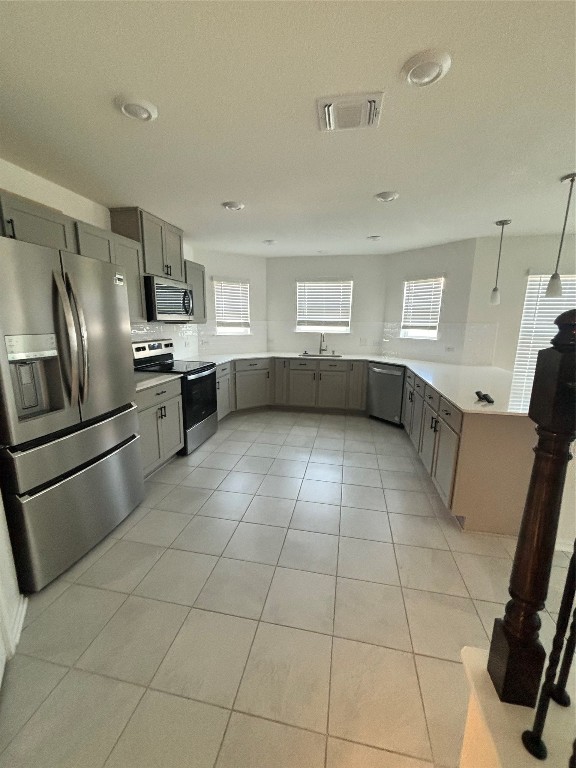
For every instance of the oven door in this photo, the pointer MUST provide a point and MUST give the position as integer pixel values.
(198, 397)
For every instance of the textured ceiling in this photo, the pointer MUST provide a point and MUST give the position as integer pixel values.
(236, 83)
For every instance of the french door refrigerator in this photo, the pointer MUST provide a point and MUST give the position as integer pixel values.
(70, 467)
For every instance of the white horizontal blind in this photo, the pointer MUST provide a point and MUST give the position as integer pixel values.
(536, 330)
(421, 308)
(324, 306)
(232, 301)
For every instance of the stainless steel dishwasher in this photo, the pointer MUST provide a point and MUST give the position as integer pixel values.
(385, 389)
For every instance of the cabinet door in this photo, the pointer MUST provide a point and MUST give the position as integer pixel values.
(357, 386)
(223, 396)
(407, 406)
(196, 280)
(252, 389)
(172, 427)
(153, 244)
(416, 426)
(128, 255)
(302, 390)
(35, 223)
(281, 370)
(428, 440)
(94, 242)
(331, 389)
(150, 441)
(446, 458)
(173, 253)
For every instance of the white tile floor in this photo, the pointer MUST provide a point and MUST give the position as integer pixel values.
(292, 595)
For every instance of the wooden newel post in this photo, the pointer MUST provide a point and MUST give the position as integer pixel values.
(516, 658)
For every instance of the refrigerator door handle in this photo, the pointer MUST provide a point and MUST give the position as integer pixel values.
(72, 337)
(84, 338)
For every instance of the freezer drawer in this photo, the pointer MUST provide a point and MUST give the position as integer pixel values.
(53, 528)
(385, 388)
(25, 470)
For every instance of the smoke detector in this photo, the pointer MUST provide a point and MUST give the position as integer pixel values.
(353, 110)
(137, 109)
(426, 68)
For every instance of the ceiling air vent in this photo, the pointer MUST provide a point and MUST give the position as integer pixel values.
(354, 110)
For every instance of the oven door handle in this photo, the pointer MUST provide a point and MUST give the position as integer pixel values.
(199, 375)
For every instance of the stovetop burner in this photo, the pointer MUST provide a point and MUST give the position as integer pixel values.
(156, 357)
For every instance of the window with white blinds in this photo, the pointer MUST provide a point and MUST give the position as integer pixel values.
(232, 300)
(324, 306)
(536, 330)
(421, 308)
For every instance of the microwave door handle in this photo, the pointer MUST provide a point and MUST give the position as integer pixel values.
(191, 295)
(83, 337)
(72, 338)
(187, 302)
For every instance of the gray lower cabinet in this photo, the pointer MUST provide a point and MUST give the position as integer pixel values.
(223, 395)
(32, 222)
(407, 405)
(302, 388)
(161, 242)
(161, 424)
(128, 255)
(357, 386)
(281, 381)
(331, 389)
(417, 414)
(196, 280)
(94, 242)
(428, 438)
(447, 444)
(252, 388)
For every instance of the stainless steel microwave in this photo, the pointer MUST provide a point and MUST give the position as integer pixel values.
(168, 300)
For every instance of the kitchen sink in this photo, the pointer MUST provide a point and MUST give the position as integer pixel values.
(308, 354)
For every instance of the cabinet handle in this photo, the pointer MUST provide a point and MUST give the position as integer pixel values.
(251, 365)
(284, 364)
(267, 374)
(163, 392)
(163, 411)
(301, 363)
(320, 376)
(435, 427)
(430, 397)
(13, 233)
(217, 385)
(447, 413)
(352, 367)
(313, 377)
(431, 422)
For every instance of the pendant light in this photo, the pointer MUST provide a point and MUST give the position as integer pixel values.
(495, 295)
(554, 289)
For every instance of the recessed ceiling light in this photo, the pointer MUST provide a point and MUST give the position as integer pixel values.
(231, 205)
(387, 197)
(268, 242)
(374, 237)
(426, 68)
(137, 109)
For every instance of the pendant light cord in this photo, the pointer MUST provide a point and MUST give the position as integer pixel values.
(499, 254)
(573, 176)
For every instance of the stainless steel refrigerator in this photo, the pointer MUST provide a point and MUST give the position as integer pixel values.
(70, 467)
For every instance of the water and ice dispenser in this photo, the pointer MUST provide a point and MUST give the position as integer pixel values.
(34, 371)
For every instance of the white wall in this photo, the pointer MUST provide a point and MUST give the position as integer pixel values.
(368, 274)
(520, 256)
(26, 184)
(234, 267)
(454, 261)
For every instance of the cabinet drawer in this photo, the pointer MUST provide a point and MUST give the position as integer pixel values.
(432, 397)
(334, 365)
(419, 385)
(409, 376)
(157, 394)
(303, 365)
(223, 369)
(451, 415)
(252, 365)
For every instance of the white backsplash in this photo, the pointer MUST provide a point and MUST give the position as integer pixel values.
(209, 343)
(463, 343)
(364, 338)
(184, 336)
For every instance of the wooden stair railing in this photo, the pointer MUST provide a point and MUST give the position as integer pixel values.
(516, 658)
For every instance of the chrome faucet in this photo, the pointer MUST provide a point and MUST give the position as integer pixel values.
(323, 345)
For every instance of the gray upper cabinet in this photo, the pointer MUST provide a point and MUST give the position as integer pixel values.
(173, 251)
(196, 279)
(128, 255)
(94, 242)
(35, 223)
(161, 242)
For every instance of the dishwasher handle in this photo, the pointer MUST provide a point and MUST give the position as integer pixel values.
(386, 371)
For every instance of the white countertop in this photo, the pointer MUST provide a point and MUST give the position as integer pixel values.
(146, 380)
(456, 383)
